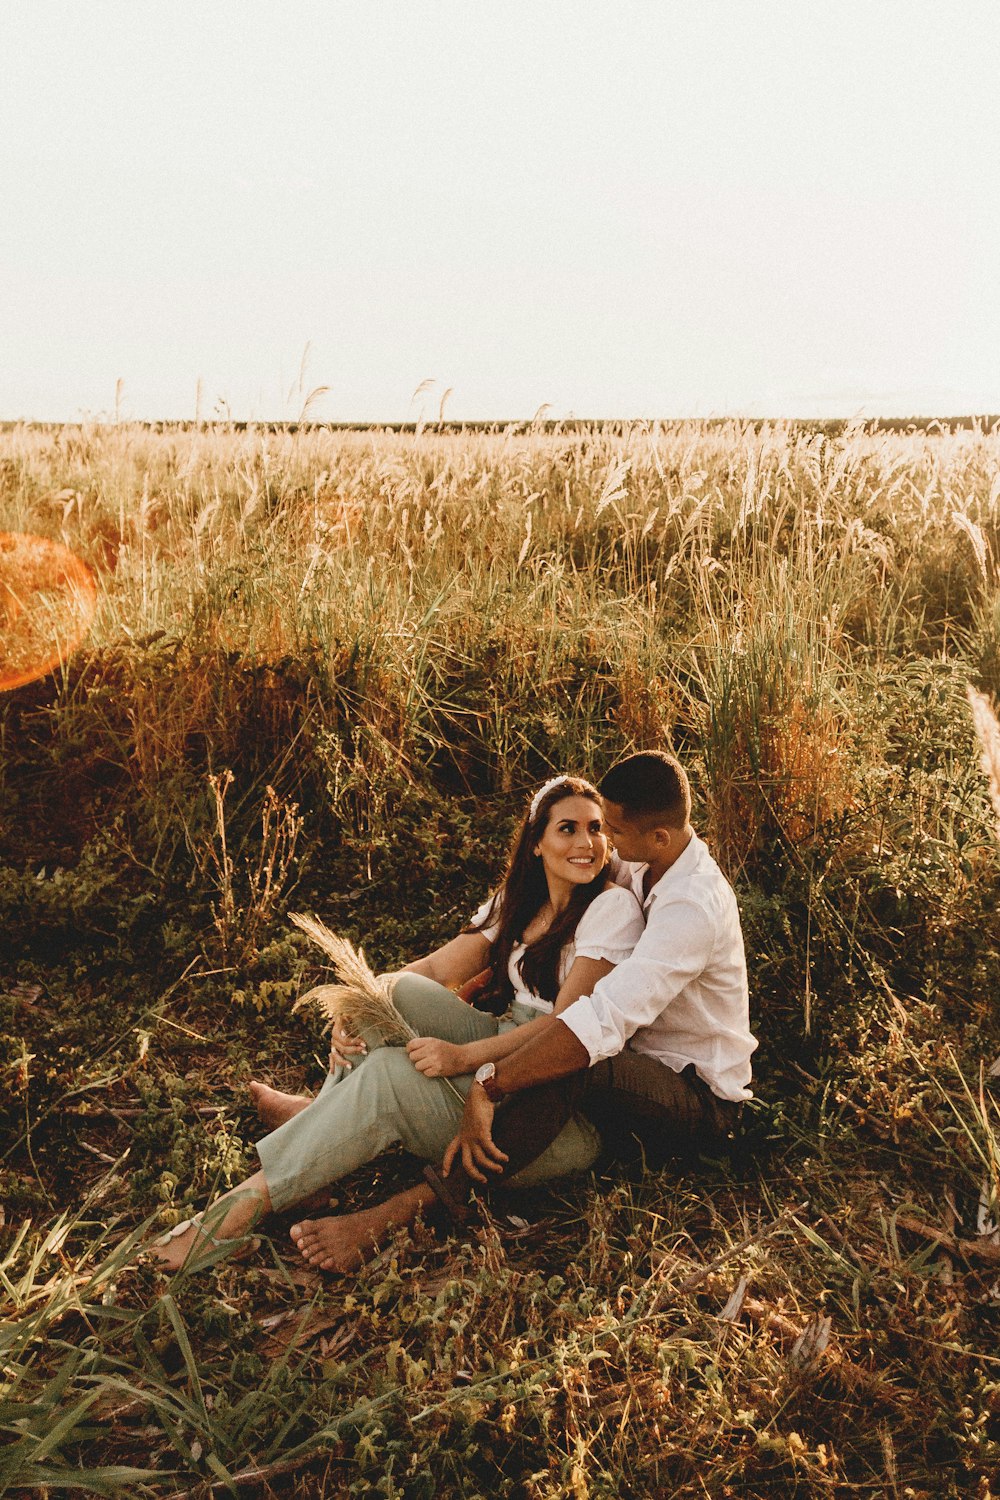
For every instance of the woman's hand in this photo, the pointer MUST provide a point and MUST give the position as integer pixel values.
(436, 1059)
(343, 1046)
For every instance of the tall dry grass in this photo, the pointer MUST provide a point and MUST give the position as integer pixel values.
(718, 587)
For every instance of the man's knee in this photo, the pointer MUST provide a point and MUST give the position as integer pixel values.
(636, 1097)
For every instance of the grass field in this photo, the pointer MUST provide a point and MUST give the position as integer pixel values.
(326, 671)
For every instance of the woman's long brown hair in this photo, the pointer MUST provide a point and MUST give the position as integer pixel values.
(521, 897)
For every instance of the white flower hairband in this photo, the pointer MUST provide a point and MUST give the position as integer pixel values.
(543, 791)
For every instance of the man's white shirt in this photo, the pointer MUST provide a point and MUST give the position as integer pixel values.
(682, 996)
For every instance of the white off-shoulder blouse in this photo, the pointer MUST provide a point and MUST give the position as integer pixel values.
(609, 929)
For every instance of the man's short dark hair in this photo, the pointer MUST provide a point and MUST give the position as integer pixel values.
(650, 788)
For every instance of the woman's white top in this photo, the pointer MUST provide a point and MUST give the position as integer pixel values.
(609, 929)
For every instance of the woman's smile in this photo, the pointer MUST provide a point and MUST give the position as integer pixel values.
(574, 847)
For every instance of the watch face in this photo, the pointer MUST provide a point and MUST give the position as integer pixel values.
(486, 1078)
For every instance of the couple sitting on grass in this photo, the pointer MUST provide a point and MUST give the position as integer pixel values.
(615, 991)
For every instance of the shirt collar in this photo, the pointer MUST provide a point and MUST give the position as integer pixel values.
(681, 868)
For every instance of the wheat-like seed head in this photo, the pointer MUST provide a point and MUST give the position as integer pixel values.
(977, 537)
(361, 999)
(988, 734)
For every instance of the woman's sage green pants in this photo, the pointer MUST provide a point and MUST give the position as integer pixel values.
(382, 1100)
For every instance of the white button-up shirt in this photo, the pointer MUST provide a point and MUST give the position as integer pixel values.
(682, 996)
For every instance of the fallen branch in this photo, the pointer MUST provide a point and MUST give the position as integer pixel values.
(134, 1111)
(264, 1474)
(986, 1251)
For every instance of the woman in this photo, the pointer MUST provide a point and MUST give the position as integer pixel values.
(554, 929)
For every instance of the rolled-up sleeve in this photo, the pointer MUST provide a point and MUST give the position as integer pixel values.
(674, 949)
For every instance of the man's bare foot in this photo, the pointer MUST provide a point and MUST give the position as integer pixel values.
(336, 1244)
(343, 1242)
(274, 1107)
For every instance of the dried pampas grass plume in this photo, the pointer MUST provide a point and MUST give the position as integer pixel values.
(361, 1000)
(988, 734)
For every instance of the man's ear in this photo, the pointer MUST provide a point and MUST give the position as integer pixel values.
(663, 837)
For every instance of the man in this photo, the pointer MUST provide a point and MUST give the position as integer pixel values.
(666, 1036)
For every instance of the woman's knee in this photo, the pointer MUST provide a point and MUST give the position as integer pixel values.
(422, 1112)
(416, 991)
(413, 995)
(433, 1010)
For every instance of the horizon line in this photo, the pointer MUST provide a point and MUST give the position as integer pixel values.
(962, 420)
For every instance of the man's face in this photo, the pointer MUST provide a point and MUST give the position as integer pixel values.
(630, 842)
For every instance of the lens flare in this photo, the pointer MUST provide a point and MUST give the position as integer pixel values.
(47, 601)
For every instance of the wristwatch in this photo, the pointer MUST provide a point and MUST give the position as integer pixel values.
(486, 1076)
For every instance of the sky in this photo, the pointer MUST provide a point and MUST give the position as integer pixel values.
(613, 210)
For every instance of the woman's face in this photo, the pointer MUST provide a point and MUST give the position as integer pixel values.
(573, 847)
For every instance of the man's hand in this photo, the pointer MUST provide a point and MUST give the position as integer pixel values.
(343, 1046)
(434, 1058)
(475, 1138)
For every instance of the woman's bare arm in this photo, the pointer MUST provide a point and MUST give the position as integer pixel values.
(580, 980)
(455, 962)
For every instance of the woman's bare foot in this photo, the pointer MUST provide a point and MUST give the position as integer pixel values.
(222, 1229)
(173, 1249)
(274, 1107)
(190, 1244)
(343, 1242)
